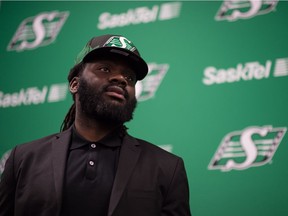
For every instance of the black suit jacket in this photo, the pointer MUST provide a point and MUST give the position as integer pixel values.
(149, 181)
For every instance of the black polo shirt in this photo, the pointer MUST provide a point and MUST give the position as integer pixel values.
(90, 172)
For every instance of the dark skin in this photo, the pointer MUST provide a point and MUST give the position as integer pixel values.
(99, 73)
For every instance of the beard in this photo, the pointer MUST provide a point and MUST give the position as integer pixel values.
(97, 107)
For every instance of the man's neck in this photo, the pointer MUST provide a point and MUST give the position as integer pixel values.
(93, 130)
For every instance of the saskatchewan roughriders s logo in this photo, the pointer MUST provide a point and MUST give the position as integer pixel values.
(232, 10)
(146, 88)
(40, 30)
(121, 42)
(253, 146)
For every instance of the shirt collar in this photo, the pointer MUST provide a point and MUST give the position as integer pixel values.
(113, 139)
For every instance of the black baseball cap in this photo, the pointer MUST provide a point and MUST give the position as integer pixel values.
(107, 45)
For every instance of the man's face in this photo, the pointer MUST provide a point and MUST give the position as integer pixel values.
(107, 90)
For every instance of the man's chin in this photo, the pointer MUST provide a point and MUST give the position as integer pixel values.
(115, 101)
(113, 114)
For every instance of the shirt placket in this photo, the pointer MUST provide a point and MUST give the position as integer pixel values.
(92, 161)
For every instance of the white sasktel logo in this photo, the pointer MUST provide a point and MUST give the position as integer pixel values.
(34, 95)
(139, 15)
(245, 72)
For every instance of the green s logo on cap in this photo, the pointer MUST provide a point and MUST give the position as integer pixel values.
(121, 42)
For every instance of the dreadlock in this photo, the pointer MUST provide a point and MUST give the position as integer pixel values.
(70, 116)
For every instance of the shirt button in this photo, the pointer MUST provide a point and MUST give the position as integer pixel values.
(93, 145)
(91, 163)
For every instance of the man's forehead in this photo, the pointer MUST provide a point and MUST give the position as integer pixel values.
(114, 61)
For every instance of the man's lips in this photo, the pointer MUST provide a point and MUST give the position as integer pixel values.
(116, 91)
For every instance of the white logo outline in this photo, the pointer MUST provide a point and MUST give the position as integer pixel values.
(33, 28)
(255, 8)
(247, 147)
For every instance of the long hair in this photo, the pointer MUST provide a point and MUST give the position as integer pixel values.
(70, 116)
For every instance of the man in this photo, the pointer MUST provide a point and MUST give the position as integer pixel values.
(94, 167)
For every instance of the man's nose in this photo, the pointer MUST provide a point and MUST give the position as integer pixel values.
(119, 78)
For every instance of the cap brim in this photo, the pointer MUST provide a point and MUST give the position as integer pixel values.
(136, 62)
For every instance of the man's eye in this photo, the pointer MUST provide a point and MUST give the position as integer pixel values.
(104, 69)
(131, 79)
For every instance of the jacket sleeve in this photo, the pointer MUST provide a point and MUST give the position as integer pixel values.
(7, 187)
(176, 202)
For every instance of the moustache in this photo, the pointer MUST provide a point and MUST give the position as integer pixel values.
(118, 88)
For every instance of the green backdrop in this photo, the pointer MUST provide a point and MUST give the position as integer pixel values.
(216, 94)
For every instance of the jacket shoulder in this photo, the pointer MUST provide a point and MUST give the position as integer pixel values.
(40, 143)
(37, 142)
(156, 151)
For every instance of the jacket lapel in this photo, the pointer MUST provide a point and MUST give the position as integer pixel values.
(59, 155)
(129, 155)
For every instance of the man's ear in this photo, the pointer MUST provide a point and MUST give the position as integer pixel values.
(74, 85)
